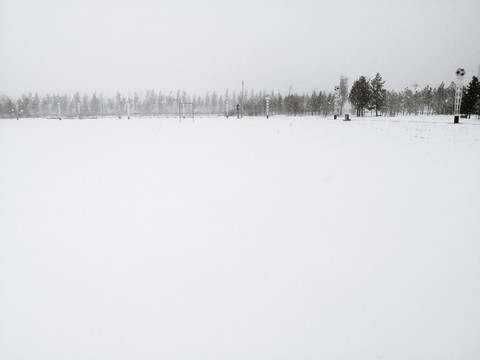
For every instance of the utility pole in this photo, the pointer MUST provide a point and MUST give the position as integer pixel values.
(267, 100)
(59, 108)
(241, 102)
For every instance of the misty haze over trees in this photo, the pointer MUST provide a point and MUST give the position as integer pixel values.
(364, 95)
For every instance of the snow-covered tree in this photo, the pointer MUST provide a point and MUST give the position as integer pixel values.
(206, 101)
(36, 105)
(427, 98)
(214, 103)
(393, 103)
(343, 93)
(378, 93)
(361, 95)
(471, 98)
(95, 104)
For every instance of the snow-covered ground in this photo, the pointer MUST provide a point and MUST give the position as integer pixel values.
(288, 238)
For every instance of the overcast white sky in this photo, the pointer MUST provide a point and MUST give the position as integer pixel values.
(200, 45)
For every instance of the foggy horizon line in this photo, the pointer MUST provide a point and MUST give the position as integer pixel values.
(229, 90)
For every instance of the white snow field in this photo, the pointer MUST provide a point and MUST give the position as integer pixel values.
(292, 238)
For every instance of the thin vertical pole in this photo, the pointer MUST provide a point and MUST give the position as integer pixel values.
(335, 101)
(241, 110)
(267, 99)
(458, 95)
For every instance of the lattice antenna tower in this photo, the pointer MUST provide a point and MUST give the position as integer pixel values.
(458, 93)
(336, 96)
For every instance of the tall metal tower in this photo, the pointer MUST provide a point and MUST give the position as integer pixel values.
(458, 93)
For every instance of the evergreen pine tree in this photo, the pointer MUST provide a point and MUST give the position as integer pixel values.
(427, 96)
(343, 93)
(471, 97)
(378, 93)
(360, 95)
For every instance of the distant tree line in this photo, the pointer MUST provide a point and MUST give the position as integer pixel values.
(364, 95)
(370, 95)
(157, 103)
